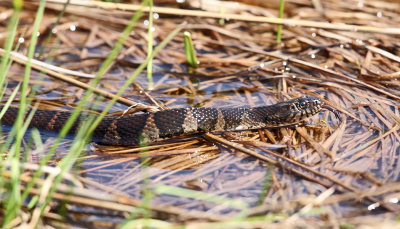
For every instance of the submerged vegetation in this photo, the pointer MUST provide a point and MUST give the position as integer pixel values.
(90, 56)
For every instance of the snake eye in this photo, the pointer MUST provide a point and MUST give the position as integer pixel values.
(303, 104)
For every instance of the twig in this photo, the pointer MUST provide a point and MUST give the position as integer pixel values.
(17, 57)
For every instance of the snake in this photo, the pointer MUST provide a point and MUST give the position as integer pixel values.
(152, 127)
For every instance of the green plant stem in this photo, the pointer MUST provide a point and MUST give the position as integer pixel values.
(150, 47)
(279, 30)
(189, 50)
(14, 202)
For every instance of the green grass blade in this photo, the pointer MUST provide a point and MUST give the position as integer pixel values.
(12, 29)
(14, 202)
(9, 101)
(150, 47)
(279, 30)
(24, 88)
(189, 50)
(18, 4)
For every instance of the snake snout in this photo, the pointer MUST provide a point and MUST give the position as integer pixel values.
(314, 105)
(296, 110)
(299, 109)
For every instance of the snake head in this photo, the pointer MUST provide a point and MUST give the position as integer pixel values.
(295, 110)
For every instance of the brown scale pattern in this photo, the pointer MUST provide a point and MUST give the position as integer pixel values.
(151, 127)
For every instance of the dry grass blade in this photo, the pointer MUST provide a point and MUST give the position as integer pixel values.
(17, 57)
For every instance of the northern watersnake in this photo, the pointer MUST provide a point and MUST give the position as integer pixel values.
(152, 127)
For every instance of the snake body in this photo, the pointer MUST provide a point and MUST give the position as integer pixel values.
(152, 127)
